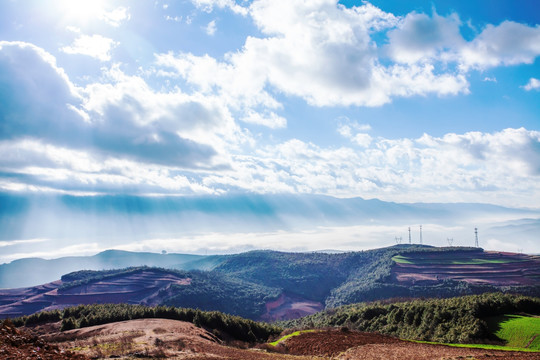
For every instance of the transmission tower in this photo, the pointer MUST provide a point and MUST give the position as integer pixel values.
(410, 242)
(398, 240)
(421, 241)
(450, 241)
(476, 237)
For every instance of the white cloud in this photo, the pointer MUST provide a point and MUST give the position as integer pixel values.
(334, 64)
(500, 167)
(509, 43)
(96, 46)
(208, 6)
(121, 117)
(117, 16)
(420, 38)
(339, 64)
(211, 28)
(21, 242)
(354, 131)
(362, 139)
(173, 18)
(533, 84)
(269, 119)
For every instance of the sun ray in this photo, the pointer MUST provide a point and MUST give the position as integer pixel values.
(82, 10)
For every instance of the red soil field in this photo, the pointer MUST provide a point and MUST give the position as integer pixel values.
(500, 269)
(353, 345)
(140, 288)
(290, 307)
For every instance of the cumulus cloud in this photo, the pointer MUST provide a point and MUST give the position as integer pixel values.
(533, 84)
(122, 118)
(339, 64)
(117, 16)
(211, 28)
(456, 167)
(509, 43)
(95, 46)
(208, 5)
(421, 38)
(37, 94)
(268, 119)
(334, 64)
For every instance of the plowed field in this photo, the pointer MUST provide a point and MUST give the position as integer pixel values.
(494, 268)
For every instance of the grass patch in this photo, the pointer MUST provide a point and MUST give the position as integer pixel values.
(400, 259)
(296, 333)
(516, 330)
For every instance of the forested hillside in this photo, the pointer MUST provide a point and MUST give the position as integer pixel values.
(452, 320)
(222, 325)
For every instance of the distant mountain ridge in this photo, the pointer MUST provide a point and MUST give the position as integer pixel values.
(125, 221)
(34, 271)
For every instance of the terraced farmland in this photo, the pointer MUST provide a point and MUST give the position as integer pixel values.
(493, 268)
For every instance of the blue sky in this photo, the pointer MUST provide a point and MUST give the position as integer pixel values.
(402, 101)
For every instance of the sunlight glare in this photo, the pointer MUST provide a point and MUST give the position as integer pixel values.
(82, 10)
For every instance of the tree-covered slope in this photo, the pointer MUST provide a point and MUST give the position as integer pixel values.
(451, 320)
(222, 325)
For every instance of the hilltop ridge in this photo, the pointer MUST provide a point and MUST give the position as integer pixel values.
(270, 285)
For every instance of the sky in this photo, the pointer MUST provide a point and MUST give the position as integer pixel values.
(401, 101)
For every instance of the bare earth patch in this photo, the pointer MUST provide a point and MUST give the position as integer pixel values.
(155, 338)
(412, 351)
(288, 307)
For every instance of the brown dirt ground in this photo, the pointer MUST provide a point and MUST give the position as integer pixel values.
(353, 345)
(17, 345)
(156, 338)
(412, 351)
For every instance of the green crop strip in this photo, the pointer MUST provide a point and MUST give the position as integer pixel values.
(296, 333)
